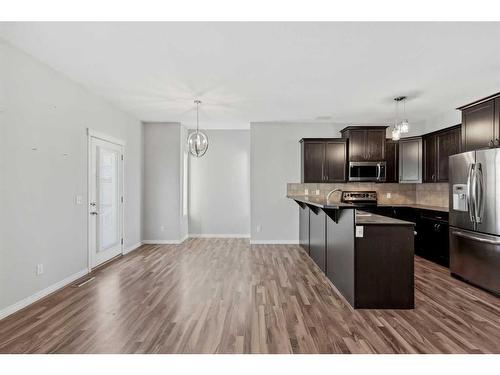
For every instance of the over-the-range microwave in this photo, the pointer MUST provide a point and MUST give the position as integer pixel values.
(367, 171)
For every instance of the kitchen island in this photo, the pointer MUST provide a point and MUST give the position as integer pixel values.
(367, 257)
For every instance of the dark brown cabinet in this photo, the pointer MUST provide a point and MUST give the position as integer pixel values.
(481, 124)
(317, 237)
(437, 147)
(304, 226)
(391, 158)
(429, 145)
(365, 143)
(323, 160)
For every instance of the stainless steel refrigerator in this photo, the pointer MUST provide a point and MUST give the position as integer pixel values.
(475, 217)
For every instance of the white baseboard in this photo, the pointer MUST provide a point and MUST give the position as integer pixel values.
(132, 248)
(193, 235)
(163, 242)
(39, 295)
(274, 242)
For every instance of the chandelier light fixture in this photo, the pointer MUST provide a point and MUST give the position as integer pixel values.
(403, 126)
(197, 141)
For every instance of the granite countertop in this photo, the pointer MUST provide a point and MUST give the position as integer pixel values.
(367, 218)
(321, 202)
(418, 206)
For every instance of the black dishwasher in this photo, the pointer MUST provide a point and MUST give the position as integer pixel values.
(433, 241)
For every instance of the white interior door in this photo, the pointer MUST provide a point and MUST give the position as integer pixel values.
(105, 200)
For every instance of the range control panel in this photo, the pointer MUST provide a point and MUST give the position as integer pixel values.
(359, 196)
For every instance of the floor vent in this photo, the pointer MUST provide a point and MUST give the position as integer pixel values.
(82, 282)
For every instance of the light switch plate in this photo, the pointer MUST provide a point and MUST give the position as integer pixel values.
(388, 195)
(78, 199)
(306, 191)
(317, 191)
(359, 231)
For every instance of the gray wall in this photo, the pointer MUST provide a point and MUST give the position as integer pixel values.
(219, 188)
(43, 116)
(163, 147)
(275, 161)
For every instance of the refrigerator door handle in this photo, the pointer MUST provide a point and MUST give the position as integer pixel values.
(475, 238)
(470, 196)
(478, 193)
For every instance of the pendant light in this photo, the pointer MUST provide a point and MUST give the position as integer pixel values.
(197, 141)
(403, 126)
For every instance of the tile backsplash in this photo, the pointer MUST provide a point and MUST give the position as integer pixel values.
(432, 194)
(435, 194)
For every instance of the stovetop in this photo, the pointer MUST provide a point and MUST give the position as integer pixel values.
(362, 198)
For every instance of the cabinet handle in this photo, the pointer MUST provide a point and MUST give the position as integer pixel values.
(497, 142)
(490, 143)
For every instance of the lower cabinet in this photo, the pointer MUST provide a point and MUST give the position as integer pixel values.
(317, 237)
(340, 254)
(304, 227)
(432, 239)
(374, 271)
(431, 231)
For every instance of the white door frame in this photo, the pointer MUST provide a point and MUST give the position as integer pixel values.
(98, 135)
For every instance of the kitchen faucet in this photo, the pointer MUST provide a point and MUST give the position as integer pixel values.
(330, 193)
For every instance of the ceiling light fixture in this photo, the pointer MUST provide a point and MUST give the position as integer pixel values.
(197, 141)
(403, 126)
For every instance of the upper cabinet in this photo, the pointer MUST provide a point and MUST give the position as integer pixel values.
(323, 160)
(410, 160)
(392, 160)
(365, 143)
(437, 147)
(481, 123)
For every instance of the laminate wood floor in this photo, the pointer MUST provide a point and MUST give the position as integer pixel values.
(225, 296)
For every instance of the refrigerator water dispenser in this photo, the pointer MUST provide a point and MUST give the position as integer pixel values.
(460, 197)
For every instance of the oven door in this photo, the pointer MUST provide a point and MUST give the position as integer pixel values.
(367, 171)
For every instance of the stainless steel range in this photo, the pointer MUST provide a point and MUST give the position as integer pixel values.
(360, 198)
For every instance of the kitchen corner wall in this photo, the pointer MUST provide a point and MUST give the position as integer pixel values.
(275, 161)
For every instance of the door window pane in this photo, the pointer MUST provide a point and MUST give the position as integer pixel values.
(108, 198)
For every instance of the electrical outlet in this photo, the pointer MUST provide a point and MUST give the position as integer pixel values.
(79, 200)
(359, 231)
(388, 195)
(306, 191)
(259, 228)
(39, 269)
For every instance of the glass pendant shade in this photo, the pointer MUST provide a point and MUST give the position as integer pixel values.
(197, 143)
(396, 134)
(404, 126)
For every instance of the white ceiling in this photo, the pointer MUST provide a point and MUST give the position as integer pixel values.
(252, 72)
